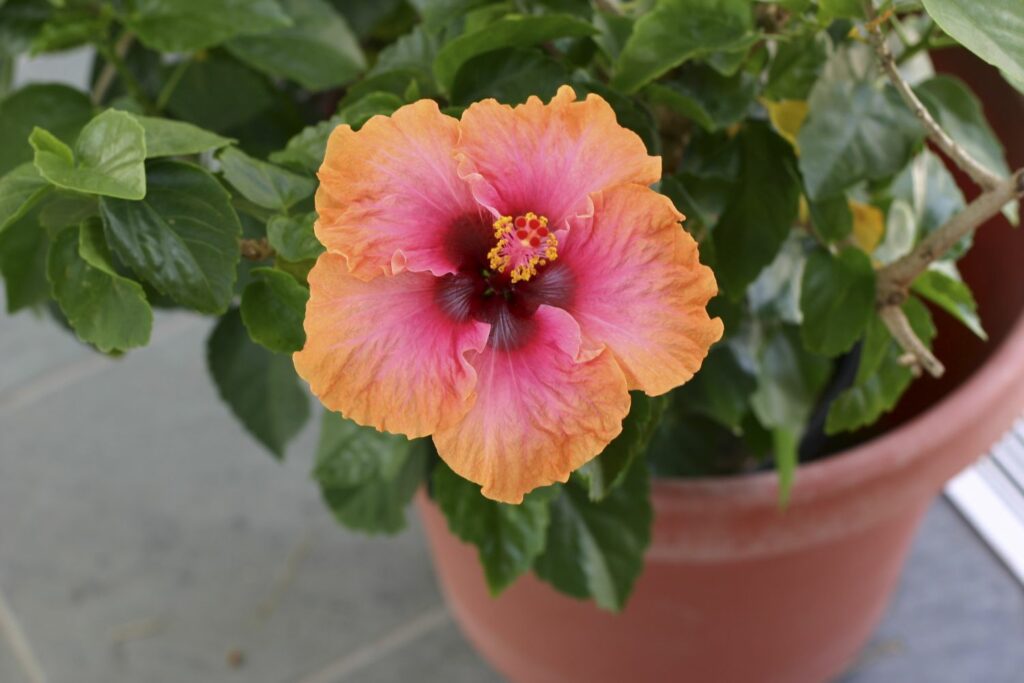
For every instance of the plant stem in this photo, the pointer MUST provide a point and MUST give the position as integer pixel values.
(172, 83)
(922, 44)
(116, 66)
(895, 279)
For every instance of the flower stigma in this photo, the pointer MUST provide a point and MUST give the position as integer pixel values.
(524, 244)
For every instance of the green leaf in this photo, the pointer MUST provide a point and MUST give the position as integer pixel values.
(829, 10)
(761, 209)
(721, 390)
(796, 67)
(367, 477)
(182, 238)
(881, 377)
(993, 30)
(607, 471)
(20, 189)
(273, 308)
(166, 138)
(318, 50)
(57, 108)
(837, 299)
(508, 537)
(596, 549)
(207, 84)
(941, 284)
(832, 217)
(412, 55)
(20, 22)
(509, 31)
(789, 381)
(104, 308)
(931, 191)
(509, 76)
(702, 94)
(63, 209)
(292, 237)
(264, 184)
(190, 25)
(679, 30)
(365, 108)
(853, 132)
(259, 386)
(23, 248)
(305, 151)
(108, 158)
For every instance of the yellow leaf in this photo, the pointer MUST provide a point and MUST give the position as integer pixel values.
(868, 225)
(788, 117)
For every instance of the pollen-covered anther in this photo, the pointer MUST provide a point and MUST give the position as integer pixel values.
(524, 244)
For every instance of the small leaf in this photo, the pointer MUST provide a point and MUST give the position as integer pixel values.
(292, 237)
(182, 238)
(57, 108)
(796, 67)
(20, 189)
(832, 217)
(941, 284)
(259, 386)
(509, 31)
(190, 25)
(607, 471)
(317, 50)
(107, 160)
(264, 184)
(597, 549)
(788, 118)
(721, 390)
(273, 308)
(508, 537)
(702, 94)
(761, 210)
(829, 10)
(105, 309)
(510, 76)
(993, 30)
(367, 477)
(165, 138)
(676, 31)
(837, 299)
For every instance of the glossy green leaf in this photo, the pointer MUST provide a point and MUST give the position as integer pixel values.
(59, 109)
(509, 76)
(262, 183)
(702, 94)
(881, 377)
(182, 238)
(305, 151)
(508, 537)
(105, 309)
(20, 22)
(318, 50)
(721, 390)
(259, 386)
(190, 25)
(596, 549)
(829, 10)
(837, 299)
(412, 55)
(292, 237)
(273, 308)
(789, 381)
(941, 284)
(20, 189)
(206, 85)
(23, 248)
(853, 132)
(166, 137)
(108, 158)
(509, 31)
(832, 217)
(63, 208)
(761, 209)
(676, 31)
(993, 30)
(367, 477)
(438, 13)
(796, 67)
(607, 471)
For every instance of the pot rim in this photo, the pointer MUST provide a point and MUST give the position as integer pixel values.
(998, 382)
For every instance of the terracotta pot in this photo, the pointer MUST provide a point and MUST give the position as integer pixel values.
(735, 590)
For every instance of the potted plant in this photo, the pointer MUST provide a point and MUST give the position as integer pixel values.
(638, 449)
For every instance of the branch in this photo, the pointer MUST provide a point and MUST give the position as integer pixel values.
(918, 355)
(971, 166)
(109, 73)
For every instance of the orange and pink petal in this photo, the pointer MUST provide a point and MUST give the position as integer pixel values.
(540, 412)
(639, 288)
(384, 353)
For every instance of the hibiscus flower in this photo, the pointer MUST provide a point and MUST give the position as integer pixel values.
(500, 282)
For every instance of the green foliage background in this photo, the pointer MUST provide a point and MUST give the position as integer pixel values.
(185, 179)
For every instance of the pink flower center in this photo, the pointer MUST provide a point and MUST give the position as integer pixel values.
(524, 244)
